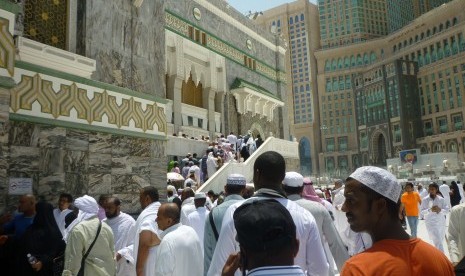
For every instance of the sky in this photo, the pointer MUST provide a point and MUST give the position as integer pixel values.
(244, 6)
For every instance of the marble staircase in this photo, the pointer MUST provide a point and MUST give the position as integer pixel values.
(289, 150)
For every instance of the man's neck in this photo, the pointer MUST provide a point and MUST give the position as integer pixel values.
(396, 232)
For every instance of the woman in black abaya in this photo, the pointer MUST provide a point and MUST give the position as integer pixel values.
(42, 240)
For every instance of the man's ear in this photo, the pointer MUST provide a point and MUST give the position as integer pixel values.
(296, 247)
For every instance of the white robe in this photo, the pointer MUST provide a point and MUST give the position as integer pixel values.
(445, 191)
(60, 218)
(212, 165)
(196, 220)
(146, 221)
(123, 227)
(187, 208)
(435, 222)
(311, 256)
(178, 253)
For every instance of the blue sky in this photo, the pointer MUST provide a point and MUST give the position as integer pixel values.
(256, 5)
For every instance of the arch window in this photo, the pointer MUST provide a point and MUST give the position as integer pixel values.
(296, 19)
(454, 21)
(372, 57)
(340, 64)
(334, 65)
(366, 60)
(428, 33)
(346, 62)
(359, 60)
(291, 20)
(327, 65)
(302, 17)
(352, 61)
(447, 24)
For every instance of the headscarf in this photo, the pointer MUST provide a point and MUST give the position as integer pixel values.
(42, 239)
(309, 192)
(88, 208)
(455, 197)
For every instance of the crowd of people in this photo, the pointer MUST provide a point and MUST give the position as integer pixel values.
(282, 226)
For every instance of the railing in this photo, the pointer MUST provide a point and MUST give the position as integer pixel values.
(216, 182)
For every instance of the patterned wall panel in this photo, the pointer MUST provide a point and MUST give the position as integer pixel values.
(45, 21)
(7, 47)
(42, 96)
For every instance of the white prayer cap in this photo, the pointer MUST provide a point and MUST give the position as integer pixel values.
(192, 170)
(171, 188)
(236, 179)
(87, 204)
(200, 195)
(319, 192)
(379, 180)
(293, 179)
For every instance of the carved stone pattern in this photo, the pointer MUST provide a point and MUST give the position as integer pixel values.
(7, 47)
(60, 103)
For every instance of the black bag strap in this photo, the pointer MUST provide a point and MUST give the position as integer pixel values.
(212, 222)
(88, 250)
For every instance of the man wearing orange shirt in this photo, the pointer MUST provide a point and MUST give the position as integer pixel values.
(372, 205)
(409, 201)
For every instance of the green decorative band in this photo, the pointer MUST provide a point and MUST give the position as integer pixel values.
(44, 96)
(181, 26)
(7, 82)
(45, 121)
(240, 83)
(102, 85)
(10, 6)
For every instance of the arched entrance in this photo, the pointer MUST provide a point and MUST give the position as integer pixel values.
(256, 128)
(379, 149)
(305, 157)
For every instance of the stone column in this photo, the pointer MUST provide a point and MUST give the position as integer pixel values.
(219, 107)
(208, 98)
(174, 92)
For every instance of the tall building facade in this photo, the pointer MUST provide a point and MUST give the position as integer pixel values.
(351, 21)
(297, 23)
(435, 43)
(399, 13)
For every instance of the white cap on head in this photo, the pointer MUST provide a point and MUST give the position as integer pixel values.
(171, 188)
(236, 179)
(379, 180)
(200, 195)
(293, 179)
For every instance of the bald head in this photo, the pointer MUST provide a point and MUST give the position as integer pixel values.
(168, 215)
(27, 205)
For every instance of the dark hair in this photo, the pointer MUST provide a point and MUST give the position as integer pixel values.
(392, 207)
(67, 196)
(115, 200)
(409, 184)
(152, 192)
(293, 190)
(172, 212)
(233, 189)
(271, 165)
(211, 192)
(434, 185)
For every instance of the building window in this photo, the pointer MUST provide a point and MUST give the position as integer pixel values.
(46, 21)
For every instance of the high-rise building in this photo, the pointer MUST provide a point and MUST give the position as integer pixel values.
(369, 82)
(348, 22)
(297, 22)
(423, 6)
(400, 13)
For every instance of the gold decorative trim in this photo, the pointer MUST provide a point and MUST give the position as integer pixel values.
(7, 47)
(91, 108)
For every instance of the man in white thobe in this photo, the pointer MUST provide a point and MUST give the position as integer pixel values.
(340, 220)
(60, 213)
(187, 206)
(232, 139)
(269, 170)
(434, 210)
(123, 227)
(456, 234)
(334, 247)
(178, 253)
(197, 219)
(462, 200)
(146, 239)
(445, 191)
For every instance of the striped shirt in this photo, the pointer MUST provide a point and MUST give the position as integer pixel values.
(293, 270)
